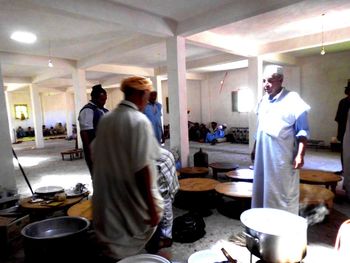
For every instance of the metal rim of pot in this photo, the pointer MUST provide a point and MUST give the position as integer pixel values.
(275, 235)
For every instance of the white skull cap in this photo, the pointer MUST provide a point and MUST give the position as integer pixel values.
(273, 69)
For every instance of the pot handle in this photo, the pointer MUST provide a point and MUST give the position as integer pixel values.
(256, 240)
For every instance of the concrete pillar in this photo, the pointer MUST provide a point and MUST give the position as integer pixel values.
(255, 69)
(178, 120)
(68, 115)
(80, 98)
(8, 108)
(37, 114)
(7, 171)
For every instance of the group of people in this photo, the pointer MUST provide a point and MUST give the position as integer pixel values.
(135, 181)
(134, 178)
(200, 132)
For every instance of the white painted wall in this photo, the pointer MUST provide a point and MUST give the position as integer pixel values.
(323, 79)
(54, 112)
(21, 97)
(193, 100)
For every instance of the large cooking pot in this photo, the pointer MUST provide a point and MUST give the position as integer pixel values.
(275, 235)
(58, 239)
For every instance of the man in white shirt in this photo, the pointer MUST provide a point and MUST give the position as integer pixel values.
(89, 117)
(127, 205)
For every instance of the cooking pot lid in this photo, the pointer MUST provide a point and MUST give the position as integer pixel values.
(49, 190)
(273, 221)
(207, 256)
(144, 258)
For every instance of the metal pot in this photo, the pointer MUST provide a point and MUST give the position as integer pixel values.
(275, 235)
(56, 239)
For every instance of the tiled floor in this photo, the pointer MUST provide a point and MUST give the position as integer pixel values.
(45, 167)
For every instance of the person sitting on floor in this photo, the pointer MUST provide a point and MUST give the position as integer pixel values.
(215, 133)
(20, 132)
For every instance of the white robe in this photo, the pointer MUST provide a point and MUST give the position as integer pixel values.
(276, 183)
(346, 157)
(124, 144)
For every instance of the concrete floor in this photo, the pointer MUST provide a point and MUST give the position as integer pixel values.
(45, 167)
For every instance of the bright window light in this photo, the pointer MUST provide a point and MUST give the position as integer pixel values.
(23, 37)
(245, 100)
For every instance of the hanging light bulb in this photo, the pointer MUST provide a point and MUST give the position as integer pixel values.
(323, 50)
(50, 64)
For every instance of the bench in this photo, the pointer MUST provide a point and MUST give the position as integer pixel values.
(73, 154)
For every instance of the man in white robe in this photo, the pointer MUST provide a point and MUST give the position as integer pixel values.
(280, 144)
(127, 205)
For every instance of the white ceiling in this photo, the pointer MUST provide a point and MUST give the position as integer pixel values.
(109, 38)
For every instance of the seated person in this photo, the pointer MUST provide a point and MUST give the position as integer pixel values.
(20, 132)
(60, 128)
(30, 132)
(46, 131)
(194, 132)
(52, 131)
(215, 133)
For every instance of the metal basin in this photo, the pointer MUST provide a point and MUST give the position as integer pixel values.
(55, 239)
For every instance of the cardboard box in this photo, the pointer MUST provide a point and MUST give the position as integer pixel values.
(10, 230)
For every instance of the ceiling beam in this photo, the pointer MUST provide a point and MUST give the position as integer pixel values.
(111, 54)
(281, 59)
(51, 73)
(310, 41)
(230, 13)
(122, 69)
(223, 43)
(37, 61)
(112, 12)
(212, 61)
(17, 80)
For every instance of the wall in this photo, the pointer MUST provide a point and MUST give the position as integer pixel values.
(220, 101)
(21, 97)
(323, 79)
(54, 112)
(193, 100)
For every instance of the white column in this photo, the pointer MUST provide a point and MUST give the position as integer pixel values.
(178, 120)
(37, 114)
(8, 108)
(255, 69)
(7, 171)
(80, 98)
(68, 115)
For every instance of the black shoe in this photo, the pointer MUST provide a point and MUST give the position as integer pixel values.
(214, 142)
(339, 172)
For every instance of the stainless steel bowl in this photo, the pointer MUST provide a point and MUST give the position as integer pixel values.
(57, 227)
(56, 239)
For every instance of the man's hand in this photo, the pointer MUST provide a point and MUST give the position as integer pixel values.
(298, 161)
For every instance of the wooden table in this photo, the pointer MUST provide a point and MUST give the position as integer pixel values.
(315, 195)
(73, 154)
(197, 184)
(83, 209)
(197, 194)
(42, 209)
(241, 192)
(222, 167)
(244, 175)
(194, 171)
(317, 177)
(235, 189)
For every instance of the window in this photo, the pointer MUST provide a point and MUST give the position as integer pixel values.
(21, 111)
(242, 100)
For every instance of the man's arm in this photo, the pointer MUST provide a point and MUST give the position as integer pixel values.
(143, 181)
(299, 158)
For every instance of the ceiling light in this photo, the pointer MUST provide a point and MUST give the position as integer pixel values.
(23, 37)
(50, 64)
(323, 51)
